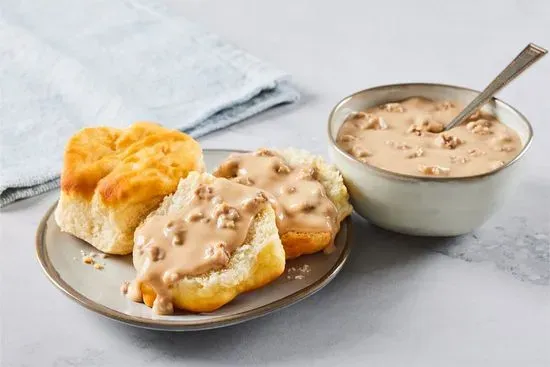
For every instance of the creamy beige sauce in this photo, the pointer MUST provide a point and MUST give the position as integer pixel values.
(200, 238)
(299, 199)
(407, 137)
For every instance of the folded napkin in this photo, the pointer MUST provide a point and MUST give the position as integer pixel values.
(67, 64)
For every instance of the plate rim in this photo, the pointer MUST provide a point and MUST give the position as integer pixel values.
(158, 324)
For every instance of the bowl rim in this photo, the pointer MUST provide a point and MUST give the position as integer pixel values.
(379, 170)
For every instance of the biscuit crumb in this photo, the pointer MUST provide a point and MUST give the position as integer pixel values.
(298, 273)
(89, 258)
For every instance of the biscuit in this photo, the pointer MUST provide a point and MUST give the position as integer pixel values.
(112, 178)
(258, 261)
(297, 242)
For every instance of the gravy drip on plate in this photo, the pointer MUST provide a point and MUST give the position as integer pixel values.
(193, 241)
(407, 137)
(299, 199)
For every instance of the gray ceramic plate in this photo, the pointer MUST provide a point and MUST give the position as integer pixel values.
(99, 290)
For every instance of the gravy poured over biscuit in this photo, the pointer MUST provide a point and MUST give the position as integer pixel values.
(299, 199)
(193, 241)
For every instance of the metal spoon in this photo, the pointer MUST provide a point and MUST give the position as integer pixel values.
(523, 60)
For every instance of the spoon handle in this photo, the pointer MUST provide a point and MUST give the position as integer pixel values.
(523, 60)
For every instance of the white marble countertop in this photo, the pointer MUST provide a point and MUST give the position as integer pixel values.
(479, 300)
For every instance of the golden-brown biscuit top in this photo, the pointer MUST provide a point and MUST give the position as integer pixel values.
(128, 165)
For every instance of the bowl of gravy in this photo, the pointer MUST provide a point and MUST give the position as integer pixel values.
(404, 173)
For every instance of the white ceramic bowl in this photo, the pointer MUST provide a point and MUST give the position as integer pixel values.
(425, 206)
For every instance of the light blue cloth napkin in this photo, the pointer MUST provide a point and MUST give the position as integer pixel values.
(67, 64)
